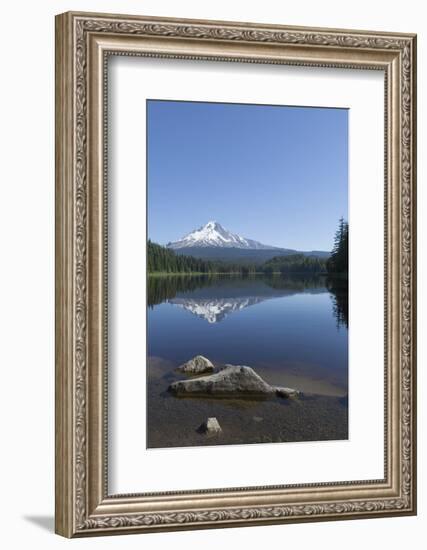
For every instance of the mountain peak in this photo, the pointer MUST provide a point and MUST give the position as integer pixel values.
(213, 235)
(211, 224)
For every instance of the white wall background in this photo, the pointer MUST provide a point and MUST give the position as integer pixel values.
(27, 272)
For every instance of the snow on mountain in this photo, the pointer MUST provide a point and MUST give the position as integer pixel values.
(213, 234)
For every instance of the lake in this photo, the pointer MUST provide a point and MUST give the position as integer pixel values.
(292, 330)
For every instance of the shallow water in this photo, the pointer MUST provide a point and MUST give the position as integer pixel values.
(291, 330)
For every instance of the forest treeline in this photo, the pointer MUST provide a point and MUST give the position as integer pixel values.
(295, 263)
(164, 260)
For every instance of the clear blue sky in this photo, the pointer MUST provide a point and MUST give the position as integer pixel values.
(275, 174)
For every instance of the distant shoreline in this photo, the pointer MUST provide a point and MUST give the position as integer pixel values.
(239, 273)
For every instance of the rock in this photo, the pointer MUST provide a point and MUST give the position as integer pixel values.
(211, 426)
(197, 365)
(286, 392)
(232, 381)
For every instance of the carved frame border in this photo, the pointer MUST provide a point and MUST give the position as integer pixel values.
(83, 42)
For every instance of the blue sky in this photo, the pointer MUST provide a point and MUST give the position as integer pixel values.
(275, 174)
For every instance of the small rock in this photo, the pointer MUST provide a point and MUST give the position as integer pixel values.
(197, 365)
(286, 392)
(258, 418)
(211, 426)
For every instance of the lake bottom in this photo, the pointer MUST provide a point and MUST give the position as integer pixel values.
(176, 421)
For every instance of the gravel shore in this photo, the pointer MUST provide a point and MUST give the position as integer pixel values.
(175, 422)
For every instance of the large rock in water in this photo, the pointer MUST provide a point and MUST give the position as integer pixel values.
(197, 365)
(232, 381)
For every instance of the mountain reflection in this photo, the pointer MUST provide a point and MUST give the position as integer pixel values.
(215, 310)
(213, 298)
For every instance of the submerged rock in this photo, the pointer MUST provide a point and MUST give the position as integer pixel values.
(211, 426)
(197, 365)
(232, 381)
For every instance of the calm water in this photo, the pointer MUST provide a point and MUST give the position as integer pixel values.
(283, 324)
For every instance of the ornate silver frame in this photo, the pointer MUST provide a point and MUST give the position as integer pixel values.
(83, 505)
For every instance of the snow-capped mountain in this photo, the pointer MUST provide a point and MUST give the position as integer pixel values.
(213, 235)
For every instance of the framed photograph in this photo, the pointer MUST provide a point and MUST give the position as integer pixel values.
(235, 274)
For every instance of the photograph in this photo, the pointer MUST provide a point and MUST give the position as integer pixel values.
(247, 273)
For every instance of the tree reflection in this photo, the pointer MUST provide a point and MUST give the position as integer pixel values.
(164, 288)
(338, 288)
(299, 282)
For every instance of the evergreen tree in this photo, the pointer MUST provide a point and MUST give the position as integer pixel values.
(338, 261)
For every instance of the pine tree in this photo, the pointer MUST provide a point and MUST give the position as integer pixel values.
(338, 261)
